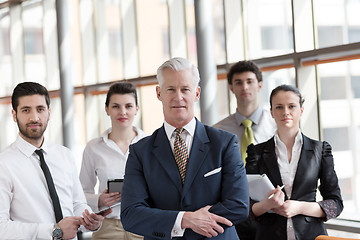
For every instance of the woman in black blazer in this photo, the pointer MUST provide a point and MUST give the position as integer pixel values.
(297, 162)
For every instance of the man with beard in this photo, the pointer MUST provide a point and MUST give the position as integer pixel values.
(40, 193)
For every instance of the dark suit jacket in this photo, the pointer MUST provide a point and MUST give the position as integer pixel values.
(316, 162)
(153, 193)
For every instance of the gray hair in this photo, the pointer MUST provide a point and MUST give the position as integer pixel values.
(178, 64)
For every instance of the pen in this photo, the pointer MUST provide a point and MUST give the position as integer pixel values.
(273, 194)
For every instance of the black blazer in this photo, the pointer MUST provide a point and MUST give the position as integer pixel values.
(316, 162)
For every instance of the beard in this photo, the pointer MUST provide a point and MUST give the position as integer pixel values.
(34, 134)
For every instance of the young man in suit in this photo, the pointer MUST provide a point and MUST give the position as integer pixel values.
(187, 183)
(245, 81)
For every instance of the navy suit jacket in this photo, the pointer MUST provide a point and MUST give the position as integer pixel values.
(315, 163)
(153, 193)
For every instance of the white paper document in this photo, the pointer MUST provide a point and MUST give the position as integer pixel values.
(259, 186)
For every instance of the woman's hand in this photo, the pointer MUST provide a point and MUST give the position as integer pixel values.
(270, 202)
(108, 199)
(91, 221)
(288, 209)
(291, 208)
(275, 198)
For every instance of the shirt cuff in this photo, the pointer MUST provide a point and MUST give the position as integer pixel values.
(45, 231)
(177, 231)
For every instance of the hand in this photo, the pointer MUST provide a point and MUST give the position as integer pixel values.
(204, 223)
(288, 209)
(92, 221)
(108, 199)
(69, 226)
(269, 203)
(277, 198)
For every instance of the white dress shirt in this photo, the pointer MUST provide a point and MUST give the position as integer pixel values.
(26, 210)
(187, 135)
(103, 160)
(288, 170)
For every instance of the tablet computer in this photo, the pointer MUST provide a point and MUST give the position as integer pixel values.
(115, 185)
(107, 208)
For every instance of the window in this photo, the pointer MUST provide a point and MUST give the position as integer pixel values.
(338, 138)
(276, 38)
(340, 126)
(355, 86)
(330, 36)
(333, 88)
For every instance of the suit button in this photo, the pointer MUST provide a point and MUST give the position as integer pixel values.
(158, 234)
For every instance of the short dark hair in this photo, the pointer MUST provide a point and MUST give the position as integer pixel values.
(287, 88)
(28, 89)
(244, 66)
(121, 88)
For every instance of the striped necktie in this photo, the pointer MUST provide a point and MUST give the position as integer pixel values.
(180, 153)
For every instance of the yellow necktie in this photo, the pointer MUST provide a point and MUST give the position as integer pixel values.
(247, 138)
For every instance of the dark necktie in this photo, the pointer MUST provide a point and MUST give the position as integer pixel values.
(180, 153)
(51, 186)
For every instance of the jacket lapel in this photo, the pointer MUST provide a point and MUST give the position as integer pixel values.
(307, 153)
(164, 155)
(197, 155)
(270, 161)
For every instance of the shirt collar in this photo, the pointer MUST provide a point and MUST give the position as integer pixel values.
(105, 135)
(255, 117)
(27, 148)
(190, 128)
(298, 138)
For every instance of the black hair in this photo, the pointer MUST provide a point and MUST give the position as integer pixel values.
(121, 88)
(28, 89)
(244, 66)
(287, 88)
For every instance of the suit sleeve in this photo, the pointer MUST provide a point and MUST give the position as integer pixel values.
(332, 203)
(137, 214)
(234, 202)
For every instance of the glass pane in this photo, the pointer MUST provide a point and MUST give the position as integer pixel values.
(109, 40)
(338, 137)
(5, 57)
(152, 22)
(269, 27)
(342, 29)
(333, 87)
(8, 127)
(151, 109)
(223, 99)
(219, 31)
(35, 69)
(191, 32)
(355, 86)
(272, 79)
(340, 122)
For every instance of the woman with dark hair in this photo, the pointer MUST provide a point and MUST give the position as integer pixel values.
(105, 157)
(292, 160)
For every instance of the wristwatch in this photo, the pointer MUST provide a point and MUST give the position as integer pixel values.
(57, 233)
